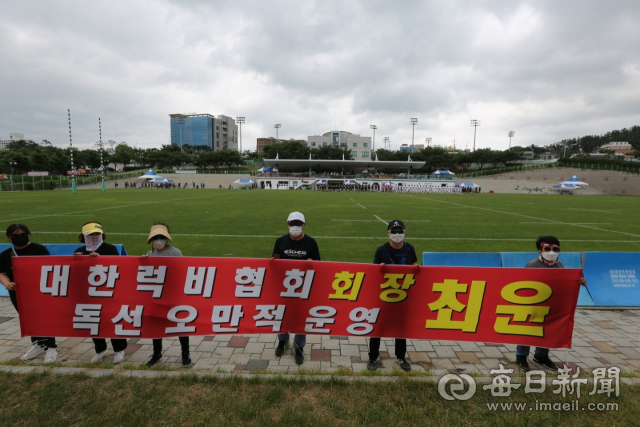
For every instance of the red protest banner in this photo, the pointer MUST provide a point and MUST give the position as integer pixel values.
(153, 297)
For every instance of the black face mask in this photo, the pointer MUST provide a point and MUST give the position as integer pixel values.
(19, 239)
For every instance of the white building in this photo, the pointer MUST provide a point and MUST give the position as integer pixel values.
(15, 136)
(360, 146)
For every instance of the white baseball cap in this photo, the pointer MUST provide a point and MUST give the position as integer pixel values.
(296, 216)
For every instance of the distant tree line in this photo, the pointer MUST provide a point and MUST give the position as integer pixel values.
(27, 155)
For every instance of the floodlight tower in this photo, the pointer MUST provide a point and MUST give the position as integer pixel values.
(181, 121)
(511, 133)
(373, 146)
(428, 141)
(387, 144)
(278, 126)
(240, 120)
(413, 126)
(475, 124)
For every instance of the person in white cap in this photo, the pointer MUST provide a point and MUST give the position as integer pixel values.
(93, 237)
(300, 246)
(159, 238)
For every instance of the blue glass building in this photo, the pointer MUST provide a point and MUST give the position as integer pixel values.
(216, 133)
(192, 129)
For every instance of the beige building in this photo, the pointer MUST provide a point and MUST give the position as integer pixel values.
(620, 148)
(360, 146)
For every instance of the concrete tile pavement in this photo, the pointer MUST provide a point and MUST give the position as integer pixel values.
(601, 338)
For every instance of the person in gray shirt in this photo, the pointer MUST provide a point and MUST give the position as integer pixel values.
(548, 250)
(159, 237)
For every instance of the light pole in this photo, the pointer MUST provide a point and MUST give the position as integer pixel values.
(413, 126)
(475, 124)
(373, 146)
(278, 126)
(73, 170)
(241, 121)
(387, 144)
(511, 133)
(101, 150)
(181, 121)
(12, 163)
(428, 141)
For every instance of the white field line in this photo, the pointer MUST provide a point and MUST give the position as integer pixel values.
(549, 221)
(111, 207)
(361, 206)
(593, 210)
(575, 223)
(266, 236)
(356, 220)
(381, 220)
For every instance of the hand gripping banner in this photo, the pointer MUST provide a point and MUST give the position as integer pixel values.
(154, 297)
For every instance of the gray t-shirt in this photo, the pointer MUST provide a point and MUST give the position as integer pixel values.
(169, 251)
(536, 263)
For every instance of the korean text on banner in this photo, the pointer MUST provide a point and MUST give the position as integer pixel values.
(148, 297)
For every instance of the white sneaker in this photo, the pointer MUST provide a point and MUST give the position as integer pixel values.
(99, 356)
(117, 358)
(33, 352)
(51, 355)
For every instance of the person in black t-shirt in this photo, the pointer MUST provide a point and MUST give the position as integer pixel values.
(19, 236)
(93, 237)
(300, 246)
(396, 251)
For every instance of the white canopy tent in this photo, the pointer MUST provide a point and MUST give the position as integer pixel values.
(150, 175)
(575, 181)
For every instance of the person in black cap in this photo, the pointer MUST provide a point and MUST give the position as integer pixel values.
(396, 251)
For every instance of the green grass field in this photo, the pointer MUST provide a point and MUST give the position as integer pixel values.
(348, 225)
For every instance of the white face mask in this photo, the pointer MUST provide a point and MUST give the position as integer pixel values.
(397, 238)
(93, 242)
(159, 243)
(550, 256)
(295, 231)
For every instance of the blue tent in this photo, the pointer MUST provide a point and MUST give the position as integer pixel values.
(445, 172)
(321, 181)
(266, 169)
(466, 184)
(160, 179)
(244, 181)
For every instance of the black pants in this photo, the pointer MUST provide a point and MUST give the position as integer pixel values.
(119, 344)
(44, 342)
(157, 345)
(374, 348)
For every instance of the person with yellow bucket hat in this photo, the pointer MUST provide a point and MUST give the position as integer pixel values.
(159, 238)
(93, 237)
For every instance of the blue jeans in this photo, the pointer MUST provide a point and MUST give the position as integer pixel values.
(299, 340)
(523, 350)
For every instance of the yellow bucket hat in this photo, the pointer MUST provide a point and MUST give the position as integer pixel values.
(159, 230)
(92, 227)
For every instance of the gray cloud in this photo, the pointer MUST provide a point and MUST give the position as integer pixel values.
(548, 70)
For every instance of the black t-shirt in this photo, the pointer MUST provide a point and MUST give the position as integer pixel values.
(406, 255)
(303, 249)
(33, 249)
(103, 249)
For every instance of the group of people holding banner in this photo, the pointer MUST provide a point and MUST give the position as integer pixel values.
(296, 245)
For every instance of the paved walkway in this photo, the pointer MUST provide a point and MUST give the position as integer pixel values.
(601, 338)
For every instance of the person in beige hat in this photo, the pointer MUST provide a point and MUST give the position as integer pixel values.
(93, 237)
(159, 238)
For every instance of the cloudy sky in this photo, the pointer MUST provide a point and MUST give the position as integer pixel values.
(546, 69)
